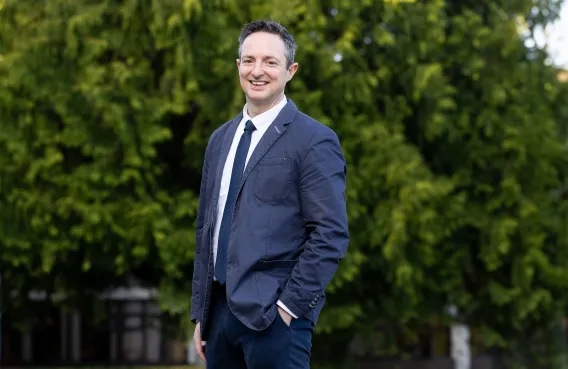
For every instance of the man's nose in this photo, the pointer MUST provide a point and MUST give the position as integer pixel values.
(257, 70)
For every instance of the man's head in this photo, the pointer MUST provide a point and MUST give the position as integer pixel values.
(265, 63)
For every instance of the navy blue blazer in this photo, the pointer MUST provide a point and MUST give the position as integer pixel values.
(289, 226)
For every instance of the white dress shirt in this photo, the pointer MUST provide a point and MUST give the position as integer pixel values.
(261, 123)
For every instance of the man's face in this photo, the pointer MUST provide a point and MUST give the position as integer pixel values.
(262, 68)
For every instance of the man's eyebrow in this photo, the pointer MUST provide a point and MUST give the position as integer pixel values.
(264, 58)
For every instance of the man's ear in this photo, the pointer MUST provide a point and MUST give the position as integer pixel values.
(292, 70)
(238, 63)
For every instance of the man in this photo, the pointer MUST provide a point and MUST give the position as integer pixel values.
(272, 222)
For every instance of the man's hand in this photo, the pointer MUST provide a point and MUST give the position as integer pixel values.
(199, 345)
(287, 318)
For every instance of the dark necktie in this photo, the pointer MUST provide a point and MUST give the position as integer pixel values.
(236, 176)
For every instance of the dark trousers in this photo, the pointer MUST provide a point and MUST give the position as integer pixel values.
(232, 345)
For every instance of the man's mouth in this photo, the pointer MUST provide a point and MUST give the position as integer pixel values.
(258, 83)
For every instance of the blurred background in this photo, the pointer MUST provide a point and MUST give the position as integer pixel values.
(453, 116)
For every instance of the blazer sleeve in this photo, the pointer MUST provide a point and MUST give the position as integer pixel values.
(323, 205)
(196, 300)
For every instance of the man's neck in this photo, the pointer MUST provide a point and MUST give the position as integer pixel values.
(254, 110)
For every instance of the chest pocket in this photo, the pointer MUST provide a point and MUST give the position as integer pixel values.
(273, 182)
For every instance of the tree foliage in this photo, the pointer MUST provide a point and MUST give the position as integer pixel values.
(454, 132)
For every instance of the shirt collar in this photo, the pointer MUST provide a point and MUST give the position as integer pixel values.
(262, 121)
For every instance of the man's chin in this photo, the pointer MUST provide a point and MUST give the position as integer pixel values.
(258, 97)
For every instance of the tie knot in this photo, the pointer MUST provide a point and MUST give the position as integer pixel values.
(249, 126)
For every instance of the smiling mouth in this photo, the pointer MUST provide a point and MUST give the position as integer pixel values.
(258, 83)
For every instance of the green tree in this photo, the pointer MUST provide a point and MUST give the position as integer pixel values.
(453, 129)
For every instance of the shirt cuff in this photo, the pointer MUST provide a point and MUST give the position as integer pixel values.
(281, 304)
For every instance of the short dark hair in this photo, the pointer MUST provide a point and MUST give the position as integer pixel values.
(270, 27)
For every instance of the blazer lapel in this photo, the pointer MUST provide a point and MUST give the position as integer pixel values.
(225, 147)
(274, 132)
